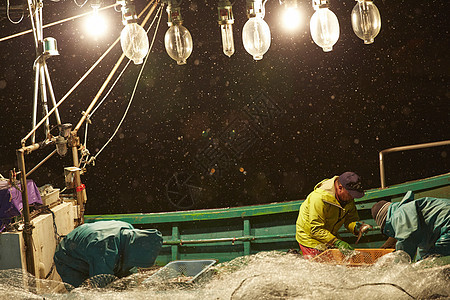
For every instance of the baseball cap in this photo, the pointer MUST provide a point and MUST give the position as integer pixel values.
(352, 183)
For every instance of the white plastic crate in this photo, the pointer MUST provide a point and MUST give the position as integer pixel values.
(182, 271)
(49, 195)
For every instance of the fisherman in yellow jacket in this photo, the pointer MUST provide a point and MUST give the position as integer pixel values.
(325, 210)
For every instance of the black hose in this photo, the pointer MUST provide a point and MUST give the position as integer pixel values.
(374, 283)
(242, 282)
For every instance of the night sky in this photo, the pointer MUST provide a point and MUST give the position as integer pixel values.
(234, 131)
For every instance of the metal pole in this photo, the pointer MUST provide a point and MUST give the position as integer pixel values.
(404, 148)
(81, 199)
(34, 17)
(40, 164)
(31, 9)
(35, 100)
(68, 93)
(382, 174)
(81, 192)
(76, 85)
(28, 227)
(44, 97)
(54, 23)
(52, 94)
(108, 79)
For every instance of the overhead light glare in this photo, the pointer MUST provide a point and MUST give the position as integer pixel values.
(96, 24)
(292, 18)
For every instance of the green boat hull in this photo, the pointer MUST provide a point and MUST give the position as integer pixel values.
(227, 233)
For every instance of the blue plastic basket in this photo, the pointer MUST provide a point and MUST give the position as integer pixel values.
(187, 270)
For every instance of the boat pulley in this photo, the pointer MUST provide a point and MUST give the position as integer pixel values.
(61, 139)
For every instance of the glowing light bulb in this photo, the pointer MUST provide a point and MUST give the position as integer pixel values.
(324, 27)
(133, 38)
(95, 23)
(226, 21)
(134, 42)
(178, 42)
(256, 37)
(366, 20)
(292, 16)
(227, 39)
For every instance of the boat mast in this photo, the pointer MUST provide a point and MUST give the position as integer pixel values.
(44, 49)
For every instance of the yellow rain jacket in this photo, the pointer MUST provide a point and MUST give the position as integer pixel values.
(320, 216)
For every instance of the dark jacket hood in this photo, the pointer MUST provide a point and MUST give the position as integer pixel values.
(140, 248)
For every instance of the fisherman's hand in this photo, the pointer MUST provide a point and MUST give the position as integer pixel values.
(344, 247)
(389, 244)
(362, 228)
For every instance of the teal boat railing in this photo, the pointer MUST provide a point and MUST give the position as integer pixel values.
(227, 233)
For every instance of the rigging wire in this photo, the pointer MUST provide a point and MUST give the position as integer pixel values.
(383, 283)
(335, 287)
(54, 23)
(86, 152)
(33, 10)
(121, 73)
(75, 86)
(113, 71)
(70, 91)
(368, 284)
(160, 11)
(86, 117)
(111, 88)
(240, 284)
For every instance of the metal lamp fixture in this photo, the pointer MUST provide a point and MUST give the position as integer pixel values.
(256, 33)
(178, 40)
(133, 38)
(366, 20)
(324, 26)
(226, 21)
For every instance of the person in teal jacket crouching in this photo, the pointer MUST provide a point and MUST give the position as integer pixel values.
(105, 247)
(420, 225)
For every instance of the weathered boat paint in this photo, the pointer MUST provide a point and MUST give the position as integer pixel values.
(227, 233)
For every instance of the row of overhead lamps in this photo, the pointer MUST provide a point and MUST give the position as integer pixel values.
(134, 40)
(324, 25)
(324, 28)
(255, 34)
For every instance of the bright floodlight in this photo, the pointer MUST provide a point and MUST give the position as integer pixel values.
(96, 24)
(291, 18)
